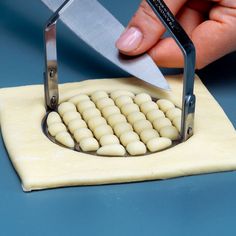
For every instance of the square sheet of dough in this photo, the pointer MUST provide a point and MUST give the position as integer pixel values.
(42, 164)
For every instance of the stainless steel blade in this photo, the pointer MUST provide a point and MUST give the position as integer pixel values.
(91, 22)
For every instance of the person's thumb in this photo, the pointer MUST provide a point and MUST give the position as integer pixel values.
(145, 29)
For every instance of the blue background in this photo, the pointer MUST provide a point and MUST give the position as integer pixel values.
(197, 205)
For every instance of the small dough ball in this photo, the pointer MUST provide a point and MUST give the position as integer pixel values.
(82, 133)
(84, 105)
(165, 104)
(141, 125)
(104, 102)
(122, 100)
(110, 110)
(177, 122)
(111, 150)
(78, 98)
(158, 144)
(148, 134)
(56, 128)
(90, 113)
(136, 148)
(98, 95)
(71, 115)
(148, 106)
(95, 122)
(76, 124)
(121, 128)
(129, 108)
(115, 119)
(89, 145)
(155, 114)
(65, 107)
(135, 116)
(142, 98)
(173, 112)
(169, 132)
(128, 137)
(109, 139)
(65, 139)
(53, 117)
(102, 130)
(117, 93)
(160, 123)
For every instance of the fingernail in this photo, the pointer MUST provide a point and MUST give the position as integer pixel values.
(129, 40)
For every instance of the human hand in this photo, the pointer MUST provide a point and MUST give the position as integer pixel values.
(211, 24)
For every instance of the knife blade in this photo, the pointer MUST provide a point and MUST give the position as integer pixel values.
(98, 28)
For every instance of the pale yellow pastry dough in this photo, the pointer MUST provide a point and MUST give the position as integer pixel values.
(111, 150)
(42, 164)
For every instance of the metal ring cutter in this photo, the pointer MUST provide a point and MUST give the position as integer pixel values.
(176, 31)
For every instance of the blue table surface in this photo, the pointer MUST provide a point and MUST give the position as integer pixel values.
(196, 205)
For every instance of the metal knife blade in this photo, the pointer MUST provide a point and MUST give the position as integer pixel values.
(97, 27)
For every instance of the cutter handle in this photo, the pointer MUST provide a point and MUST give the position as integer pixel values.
(51, 68)
(187, 47)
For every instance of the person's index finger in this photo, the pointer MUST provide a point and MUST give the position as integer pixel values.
(145, 29)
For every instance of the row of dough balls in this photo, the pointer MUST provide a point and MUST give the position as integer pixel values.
(142, 127)
(102, 110)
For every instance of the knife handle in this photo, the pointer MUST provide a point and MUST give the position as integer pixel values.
(51, 68)
(187, 47)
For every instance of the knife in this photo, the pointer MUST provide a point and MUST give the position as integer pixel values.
(97, 27)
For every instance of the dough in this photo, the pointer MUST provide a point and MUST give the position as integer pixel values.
(41, 164)
(65, 107)
(56, 128)
(104, 102)
(165, 104)
(111, 150)
(53, 117)
(84, 105)
(155, 114)
(129, 108)
(115, 119)
(90, 113)
(136, 148)
(148, 106)
(117, 93)
(109, 139)
(98, 95)
(82, 133)
(121, 128)
(158, 144)
(128, 137)
(141, 125)
(102, 130)
(122, 100)
(135, 116)
(110, 110)
(78, 98)
(173, 112)
(148, 134)
(71, 115)
(177, 123)
(160, 123)
(89, 144)
(95, 122)
(65, 139)
(142, 98)
(170, 132)
(76, 124)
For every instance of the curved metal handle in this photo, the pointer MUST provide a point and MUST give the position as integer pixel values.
(51, 68)
(188, 50)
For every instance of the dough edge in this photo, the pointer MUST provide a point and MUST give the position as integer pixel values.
(42, 164)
